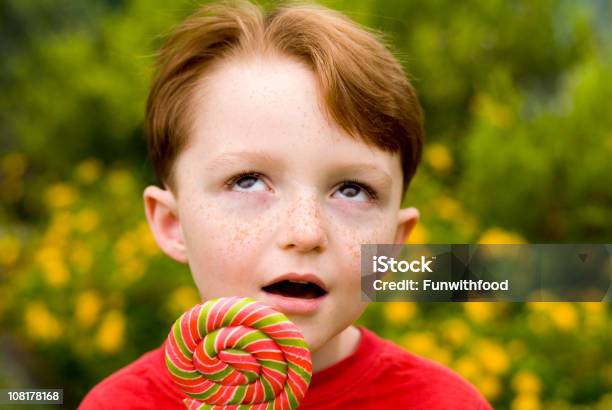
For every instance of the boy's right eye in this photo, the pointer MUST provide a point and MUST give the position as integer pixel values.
(247, 182)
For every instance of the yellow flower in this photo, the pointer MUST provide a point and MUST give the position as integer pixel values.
(54, 270)
(488, 385)
(538, 323)
(440, 355)
(109, 338)
(455, 331)
(492, 356)
(40, 324)
(468, 224)
(146, 239)
(563, 315)
(14, 165)
(468, 367)
(132, 270)
(81, 257)
(10, 248)
(425, 344)
(182, 299)
(125, 248)
(525, 402)
(86, 220)
(605, 402)
(88, 171)
(595, 317)
(593, 308)
(87, 308)
(480, 312)
(526, 382)
(56, 274)
(399, 313)
(422, 343)
(499, 236)
(448, 208)
(419, 234)
(438, 157)
(60, 195)
(59, 228)
(120, 182)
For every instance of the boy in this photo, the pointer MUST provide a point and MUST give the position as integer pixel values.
(283, 142)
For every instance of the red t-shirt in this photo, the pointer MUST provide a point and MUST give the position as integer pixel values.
(378, 375)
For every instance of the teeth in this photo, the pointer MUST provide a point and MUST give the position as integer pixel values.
(303, 282)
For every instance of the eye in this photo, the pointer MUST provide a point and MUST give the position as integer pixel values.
(357, 191)
(247, 182)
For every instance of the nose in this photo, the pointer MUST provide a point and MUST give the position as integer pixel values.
(303, 227)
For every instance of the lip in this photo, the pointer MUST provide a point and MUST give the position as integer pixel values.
(293, 306)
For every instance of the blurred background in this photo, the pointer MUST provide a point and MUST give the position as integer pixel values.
(519, 123)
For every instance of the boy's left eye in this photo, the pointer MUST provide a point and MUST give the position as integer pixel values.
(356, 191)
(247, 182)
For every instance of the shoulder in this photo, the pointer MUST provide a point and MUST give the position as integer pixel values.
(126, 388)
(437, 386)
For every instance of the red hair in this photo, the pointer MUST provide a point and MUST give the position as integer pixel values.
(363, 86)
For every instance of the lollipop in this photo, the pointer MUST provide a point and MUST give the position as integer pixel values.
(235, 353)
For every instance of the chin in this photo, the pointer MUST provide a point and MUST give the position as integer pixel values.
(315, 342)
(314, 334)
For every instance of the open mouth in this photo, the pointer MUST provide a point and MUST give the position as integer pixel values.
(295, 289)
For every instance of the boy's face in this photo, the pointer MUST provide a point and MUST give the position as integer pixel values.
(293, 210)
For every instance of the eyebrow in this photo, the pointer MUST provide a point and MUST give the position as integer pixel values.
(359, 169)
(253, 156)
(378, 175)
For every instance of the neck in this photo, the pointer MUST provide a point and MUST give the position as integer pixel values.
(338, 348)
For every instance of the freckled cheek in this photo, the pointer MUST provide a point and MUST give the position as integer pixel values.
(227, 228)
(350, 237)
(244, 205)
(223, 256)
(361, 224)
(229, 211)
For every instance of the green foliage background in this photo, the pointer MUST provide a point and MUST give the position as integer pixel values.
(517, 98)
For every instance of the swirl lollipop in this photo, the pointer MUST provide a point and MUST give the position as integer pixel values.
(235, 353)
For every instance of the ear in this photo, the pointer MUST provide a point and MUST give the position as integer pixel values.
(407, 219)
(161, 210)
